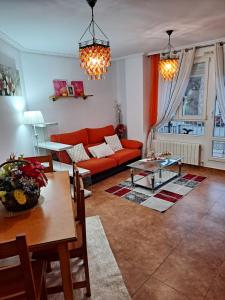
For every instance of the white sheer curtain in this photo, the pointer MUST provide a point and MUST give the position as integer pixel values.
(220, 78)
(171, 93)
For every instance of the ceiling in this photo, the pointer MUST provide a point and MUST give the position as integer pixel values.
(133, 26)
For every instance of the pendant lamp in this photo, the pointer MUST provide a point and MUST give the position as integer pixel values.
(168, 65)
(94, 53)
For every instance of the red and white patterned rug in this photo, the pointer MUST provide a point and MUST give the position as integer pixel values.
(161, 199)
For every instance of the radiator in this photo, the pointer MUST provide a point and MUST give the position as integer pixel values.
(189, 152)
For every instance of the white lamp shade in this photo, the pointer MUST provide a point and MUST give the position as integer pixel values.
(33, 117)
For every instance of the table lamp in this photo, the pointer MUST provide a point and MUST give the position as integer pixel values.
(33, 118)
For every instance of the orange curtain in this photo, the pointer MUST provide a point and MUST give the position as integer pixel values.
(154, 82)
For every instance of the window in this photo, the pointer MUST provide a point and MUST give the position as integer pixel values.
(218, 144)
(183, 127)
(219, 126)
(218, 149)
(193, 104)
(192, 112)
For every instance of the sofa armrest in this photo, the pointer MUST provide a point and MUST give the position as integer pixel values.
(131, 144)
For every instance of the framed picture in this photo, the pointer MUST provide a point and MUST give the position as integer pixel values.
(9, 81)
(78, 88)
(70, 90)
(60, 87)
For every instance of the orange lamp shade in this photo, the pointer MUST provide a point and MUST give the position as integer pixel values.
(95, 60)
(168, 68)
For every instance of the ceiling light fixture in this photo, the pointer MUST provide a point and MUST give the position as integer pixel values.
(94, 53)
(168, 65)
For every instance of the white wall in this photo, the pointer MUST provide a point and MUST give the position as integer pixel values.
(14, 136)
(146, 92)
(119, 81)
(70, 113)
(132, 92)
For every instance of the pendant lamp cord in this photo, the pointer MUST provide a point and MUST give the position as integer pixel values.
(169, 44)
(169, 32)
(91, 27)
(93, 24)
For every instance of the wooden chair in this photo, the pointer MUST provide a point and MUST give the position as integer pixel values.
(25, 280)
(77, 187)
(45, 160)
(77, 249)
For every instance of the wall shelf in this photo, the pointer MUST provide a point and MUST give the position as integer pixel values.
(54, 97)
(42, 125)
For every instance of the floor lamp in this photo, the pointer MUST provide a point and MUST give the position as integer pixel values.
(34, 118)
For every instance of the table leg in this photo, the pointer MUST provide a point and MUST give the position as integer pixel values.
(160, 173)
(132, 176)
(179, 167)
(65, 271)
(153, 182)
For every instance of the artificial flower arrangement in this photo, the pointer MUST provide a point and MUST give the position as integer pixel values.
(20, 183)
(121, 130)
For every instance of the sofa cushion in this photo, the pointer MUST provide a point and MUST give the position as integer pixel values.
(124, 155)
(131, 144)
(97, 165)
(63, 157)
(114, 142)
(102, 150)
(71, 138)
(77, 153)
(96, 135)
(88, 146)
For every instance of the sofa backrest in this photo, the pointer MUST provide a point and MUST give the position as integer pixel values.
(96, 135)
(71, 138)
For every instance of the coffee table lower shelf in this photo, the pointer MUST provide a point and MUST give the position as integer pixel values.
(155, 181)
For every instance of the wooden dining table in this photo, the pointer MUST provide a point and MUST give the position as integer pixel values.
(51, 222)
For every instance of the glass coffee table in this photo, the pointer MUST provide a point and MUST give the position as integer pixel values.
(156, 173)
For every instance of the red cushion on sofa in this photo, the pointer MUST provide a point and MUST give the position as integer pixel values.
(96, 135)
(97, 165)
(131, 144)
(124, 155)
(71, 138)
(63, 157)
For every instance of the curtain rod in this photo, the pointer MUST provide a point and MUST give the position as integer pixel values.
(186, 49)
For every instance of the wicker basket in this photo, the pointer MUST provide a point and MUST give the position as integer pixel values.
(32, 198)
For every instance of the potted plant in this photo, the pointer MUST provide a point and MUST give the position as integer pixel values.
(20, 183)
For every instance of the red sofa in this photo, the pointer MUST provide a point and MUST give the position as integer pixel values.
(99, 167)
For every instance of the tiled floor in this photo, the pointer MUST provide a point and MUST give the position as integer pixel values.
(177, 255)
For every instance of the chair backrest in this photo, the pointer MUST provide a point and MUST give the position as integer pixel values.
(14, 248)
(76, 182)
(45, 160)
(77, 186)
(80, 200)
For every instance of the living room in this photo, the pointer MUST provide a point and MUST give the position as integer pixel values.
(154, 192)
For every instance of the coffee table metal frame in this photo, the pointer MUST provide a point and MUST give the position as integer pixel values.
(153, 167)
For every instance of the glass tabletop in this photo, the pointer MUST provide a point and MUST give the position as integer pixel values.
(153, 165)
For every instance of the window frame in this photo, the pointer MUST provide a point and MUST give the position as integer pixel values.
(179, 115)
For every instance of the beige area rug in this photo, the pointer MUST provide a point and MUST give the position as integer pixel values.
(106, 280)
